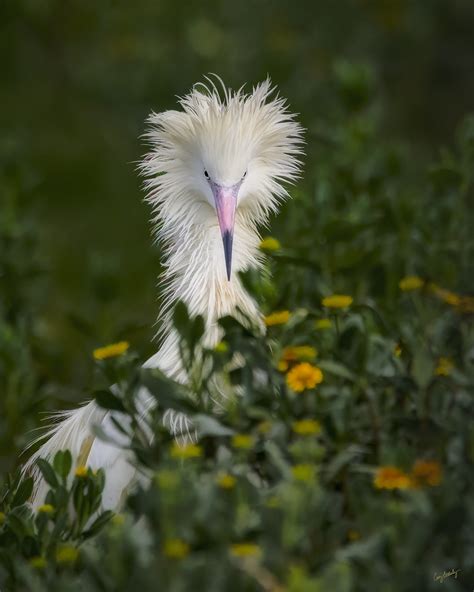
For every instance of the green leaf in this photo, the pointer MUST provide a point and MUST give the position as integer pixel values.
(48, 472)
(181, 319)
(62, 463)
(23, 492)
(197, 330)
(337, 369)
(108, 400)
(209, 426)
(98, 524)
(343, 458)
(18, 525)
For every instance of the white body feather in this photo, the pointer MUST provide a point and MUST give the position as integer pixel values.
(225, 136)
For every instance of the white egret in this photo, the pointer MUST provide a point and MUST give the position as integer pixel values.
(214, 174)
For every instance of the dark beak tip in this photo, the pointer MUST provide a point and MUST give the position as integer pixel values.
(227, 239)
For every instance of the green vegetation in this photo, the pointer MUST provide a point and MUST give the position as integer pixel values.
(351, 467)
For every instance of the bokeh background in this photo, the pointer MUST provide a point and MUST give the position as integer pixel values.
(77, 82)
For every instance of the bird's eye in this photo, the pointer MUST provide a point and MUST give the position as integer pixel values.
(206, 174)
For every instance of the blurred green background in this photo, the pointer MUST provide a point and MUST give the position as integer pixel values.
(78, 80)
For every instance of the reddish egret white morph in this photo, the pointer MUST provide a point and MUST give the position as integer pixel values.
(214, 174)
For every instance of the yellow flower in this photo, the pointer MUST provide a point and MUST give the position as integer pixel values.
(306, 427)
(221, 347)
(466, 304)
(277, 318)
(295, 353)
(273, 502)
(397, 350)
(118, 520)
(451, 298)
(111, 351)
(304, 376)
(264, 427)
(270, 244)
(245, 550)
(447, 296)
(46, 509)
(176, 549)
(410, 283)
(337, 301)
(226, 481)
(303, 472)
(81, 471)
(167, 479)
(38, 562)
(243, 441)
(390, 477)
(186, 451)
(444, 367)
(67, 554)
(2, 518)
(322, 324)
(353, 535)
(426, 472)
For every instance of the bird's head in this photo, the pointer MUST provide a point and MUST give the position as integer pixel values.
(224, 152)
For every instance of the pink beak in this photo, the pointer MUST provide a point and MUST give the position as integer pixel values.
(226, 202)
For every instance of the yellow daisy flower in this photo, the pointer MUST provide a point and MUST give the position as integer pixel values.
(427, 472)
(273, 502)
(186, 451)
(118, 520)
(295, 353)
(81, 471)
(466, 304)
(38, 562)
(410, 283)
(176, 549)
(306, 427)
(46, 509)
(447, 296)
(304, 376)
(222, 347)
(323, 324)
(444, 367)
(111, 351)
(264, 427)
(67, 554)
(303, 472)
(270, 244)
(390, 477)
(226, 481)
(353, 535)
(166, 479)
(280, 317)
(337, 301)
(243, 441)
(245, 550)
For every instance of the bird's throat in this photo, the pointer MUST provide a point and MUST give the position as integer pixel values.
(197, 276)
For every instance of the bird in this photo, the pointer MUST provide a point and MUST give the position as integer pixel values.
(216, 169)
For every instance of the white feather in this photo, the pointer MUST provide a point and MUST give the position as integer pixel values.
(226, 136)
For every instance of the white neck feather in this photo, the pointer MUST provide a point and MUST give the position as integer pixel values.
(195, 273)
(222, 138)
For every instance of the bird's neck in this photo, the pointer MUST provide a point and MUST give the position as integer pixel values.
(195, 273)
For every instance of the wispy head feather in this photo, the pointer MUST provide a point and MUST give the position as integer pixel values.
(227, 134)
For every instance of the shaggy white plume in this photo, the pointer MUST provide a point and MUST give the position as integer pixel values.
(236, 136)
(237, 149)
(228, 137)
